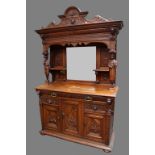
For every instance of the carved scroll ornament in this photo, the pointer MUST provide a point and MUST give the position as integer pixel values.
(74, 16)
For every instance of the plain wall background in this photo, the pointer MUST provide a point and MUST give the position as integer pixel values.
(42, 12)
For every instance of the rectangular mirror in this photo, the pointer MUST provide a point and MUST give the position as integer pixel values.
(80, 63)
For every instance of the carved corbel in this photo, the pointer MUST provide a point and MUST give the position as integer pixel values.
(114, 33)
(46, 63)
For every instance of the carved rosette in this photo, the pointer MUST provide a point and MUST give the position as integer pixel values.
(46, 63)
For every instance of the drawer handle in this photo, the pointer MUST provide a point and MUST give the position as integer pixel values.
(52, 120)
(94, 107)
(109, 100)
(53, 94)
(88, 98)
(49, 101)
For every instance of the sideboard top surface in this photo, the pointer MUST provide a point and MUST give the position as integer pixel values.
(79, 88)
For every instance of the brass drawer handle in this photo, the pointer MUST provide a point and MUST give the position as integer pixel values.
(53, 94)
(109, 100)
(94, 107)
(88, 98)
(52, 120)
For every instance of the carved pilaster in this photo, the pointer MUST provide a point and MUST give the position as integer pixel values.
(46, 62)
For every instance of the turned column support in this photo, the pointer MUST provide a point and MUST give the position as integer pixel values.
(46, 62)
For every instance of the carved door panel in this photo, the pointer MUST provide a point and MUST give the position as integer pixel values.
(51, 119)
(71, 115)
(94, 127)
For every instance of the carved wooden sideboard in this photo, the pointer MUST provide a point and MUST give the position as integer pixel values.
(79, 111)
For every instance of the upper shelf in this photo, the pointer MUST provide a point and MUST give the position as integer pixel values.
(103, 69)
(57, 68)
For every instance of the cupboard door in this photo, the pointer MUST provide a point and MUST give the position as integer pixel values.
(71, 117)
(51, 118)
(94, 127)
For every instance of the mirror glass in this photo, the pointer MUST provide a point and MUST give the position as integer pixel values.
(80, 63)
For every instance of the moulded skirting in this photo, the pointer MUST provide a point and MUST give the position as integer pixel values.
(105, 148)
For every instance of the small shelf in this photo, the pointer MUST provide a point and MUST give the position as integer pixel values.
(57, 69)
(103, 69)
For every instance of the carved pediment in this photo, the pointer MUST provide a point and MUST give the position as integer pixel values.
(74, 16)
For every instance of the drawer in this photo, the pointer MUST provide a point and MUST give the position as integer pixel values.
(49, 98)
(102, 99)
(49, 94)
(96, 106)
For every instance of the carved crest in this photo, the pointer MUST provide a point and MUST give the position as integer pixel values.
(74, 16)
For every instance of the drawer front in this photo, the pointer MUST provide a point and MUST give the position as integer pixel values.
(95, 106)
(83, 97)
(49, 94)
(108, 100)
(98, 104)
(50, 98)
